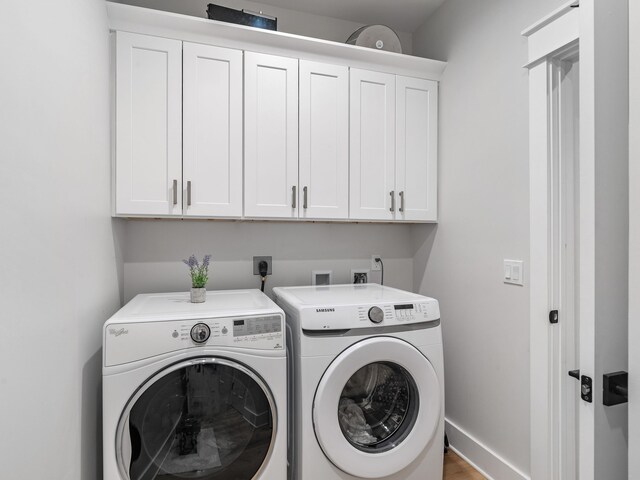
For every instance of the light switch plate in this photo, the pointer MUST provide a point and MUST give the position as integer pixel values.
(513, 272)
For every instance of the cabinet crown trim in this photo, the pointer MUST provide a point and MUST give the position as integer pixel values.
(159, 23)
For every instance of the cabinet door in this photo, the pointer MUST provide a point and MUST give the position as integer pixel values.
(148, 151)
(373, 123)
(324, 141)
(271, 136)
(417, 149)
(212, 109)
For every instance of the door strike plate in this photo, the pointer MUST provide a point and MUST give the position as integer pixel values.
(586, 389)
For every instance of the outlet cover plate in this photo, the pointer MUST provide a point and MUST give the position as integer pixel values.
(321, 277)
(375, 266)
(257, 260)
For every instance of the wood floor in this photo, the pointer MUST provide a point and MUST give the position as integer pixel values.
(456, 468)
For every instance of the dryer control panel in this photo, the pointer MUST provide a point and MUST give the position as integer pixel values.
(128, 342)
(342, 317)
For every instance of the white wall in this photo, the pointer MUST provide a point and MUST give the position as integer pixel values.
(59, 256)
(634, 238)
(484, 218)
(289, 21)
(154, 250)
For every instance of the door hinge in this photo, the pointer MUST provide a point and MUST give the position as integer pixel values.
(615, 388)
(553, 317)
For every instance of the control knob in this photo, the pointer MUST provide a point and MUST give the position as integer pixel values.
(376, 315)
(200, 333)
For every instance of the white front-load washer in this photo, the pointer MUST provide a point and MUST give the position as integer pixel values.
(366, 384)
(195, 391)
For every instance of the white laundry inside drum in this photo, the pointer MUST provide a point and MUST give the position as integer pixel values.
(377, 406)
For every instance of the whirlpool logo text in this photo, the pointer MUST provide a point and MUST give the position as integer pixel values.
(118, 332)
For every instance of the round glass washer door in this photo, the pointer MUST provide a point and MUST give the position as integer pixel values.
(207, 418)
(377, 407)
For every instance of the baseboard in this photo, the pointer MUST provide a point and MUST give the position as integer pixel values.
(480, 457)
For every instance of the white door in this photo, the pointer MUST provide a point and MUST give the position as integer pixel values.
(634, 241)
(148, 151)
(604, 234)
(417, 149)
(324, 141)
(377, 407)
(372, 150)
(212, 111)
(271, 136)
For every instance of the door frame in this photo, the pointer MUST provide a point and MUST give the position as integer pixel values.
(603, 256)
(549, 42)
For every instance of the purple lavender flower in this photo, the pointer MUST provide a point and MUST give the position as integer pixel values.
(199, 273)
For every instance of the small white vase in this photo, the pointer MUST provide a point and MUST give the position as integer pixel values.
(198, 295)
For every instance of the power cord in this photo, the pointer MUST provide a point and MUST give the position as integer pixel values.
(263, 268)
(379, 260)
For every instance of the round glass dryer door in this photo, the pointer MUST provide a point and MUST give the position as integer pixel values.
(206, 419)
(377, 407)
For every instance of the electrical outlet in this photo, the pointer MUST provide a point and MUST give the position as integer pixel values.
(257, 260)
(375, 266)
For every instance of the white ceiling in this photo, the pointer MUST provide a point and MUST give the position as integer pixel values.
(403, 15)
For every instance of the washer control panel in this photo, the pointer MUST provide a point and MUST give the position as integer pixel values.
(200, 333)
(135, 341)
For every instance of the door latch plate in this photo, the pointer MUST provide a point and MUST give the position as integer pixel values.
(586, 389)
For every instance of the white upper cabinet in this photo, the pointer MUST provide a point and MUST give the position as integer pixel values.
(148, 137)
(214, 120)
(417, 149)
(212, 147)
(271, 136)
(324, 141)
(373, 129)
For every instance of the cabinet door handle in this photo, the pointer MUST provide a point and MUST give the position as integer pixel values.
(393, 201)
(189, 193)
(293, 196)
(304, 191)
(175, 192)
(401, 209)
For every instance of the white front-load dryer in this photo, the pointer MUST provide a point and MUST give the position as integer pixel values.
(195, 391)
(366, 383)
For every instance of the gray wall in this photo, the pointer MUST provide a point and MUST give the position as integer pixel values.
(289, 21)
(484, 218)
(154, 250)
(60, 264)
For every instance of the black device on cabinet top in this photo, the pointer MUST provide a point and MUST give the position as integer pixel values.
(241, 17)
